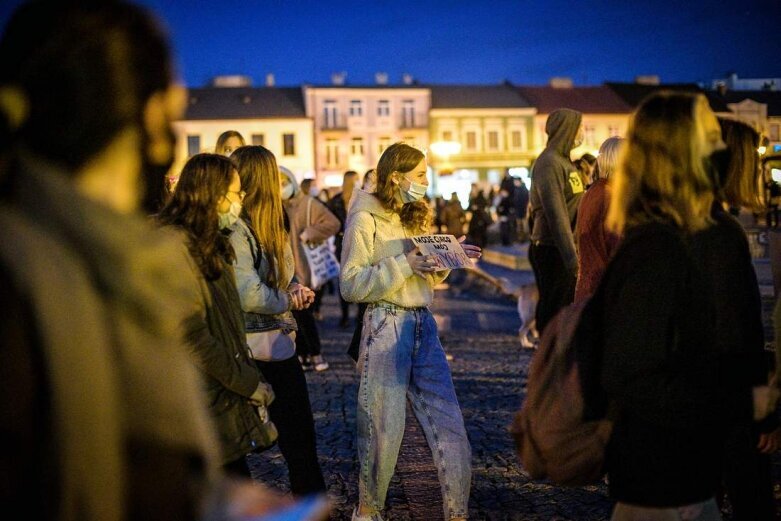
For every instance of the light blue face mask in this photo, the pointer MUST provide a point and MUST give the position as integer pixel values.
(415, 192)
(230, 217)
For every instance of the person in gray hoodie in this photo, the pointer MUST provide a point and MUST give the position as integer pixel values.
(555, 194)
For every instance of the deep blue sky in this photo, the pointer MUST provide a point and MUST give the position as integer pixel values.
(478, 41)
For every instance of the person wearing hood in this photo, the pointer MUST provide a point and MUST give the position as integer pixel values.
(400, 354)
(310, 222)
(555, 194)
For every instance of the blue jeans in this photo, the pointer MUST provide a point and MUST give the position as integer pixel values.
(401, 358)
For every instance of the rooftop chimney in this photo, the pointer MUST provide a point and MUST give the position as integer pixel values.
(236, 80)
(338, 78)
(649, 79)
(270, 80)
(407, 79)
(381, 78)
(561, 82)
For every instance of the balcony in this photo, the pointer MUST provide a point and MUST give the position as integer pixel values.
(337, 124)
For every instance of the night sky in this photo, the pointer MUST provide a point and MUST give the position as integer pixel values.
(483, 41)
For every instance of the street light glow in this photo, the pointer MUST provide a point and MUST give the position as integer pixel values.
(445, 148)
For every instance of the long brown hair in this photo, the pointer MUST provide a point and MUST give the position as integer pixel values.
(660, 175)
(741, 186)
(259, 175)
(203, 183)
(401, 158)
(225, 136)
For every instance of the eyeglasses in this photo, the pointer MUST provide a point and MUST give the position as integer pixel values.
(240, 193)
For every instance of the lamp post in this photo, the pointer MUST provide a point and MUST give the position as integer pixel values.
(442, 150)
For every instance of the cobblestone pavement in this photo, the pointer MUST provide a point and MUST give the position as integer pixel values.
(489, 372)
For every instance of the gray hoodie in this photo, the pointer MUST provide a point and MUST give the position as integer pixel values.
(556, 187)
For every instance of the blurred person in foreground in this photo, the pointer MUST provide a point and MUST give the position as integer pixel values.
(655, 320)
(555, 194)
(596, 243)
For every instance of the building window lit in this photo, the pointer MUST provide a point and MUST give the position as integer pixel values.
(471, 140)
(773, 132)
(329, 114)
(356, 107)
(589, 135)
(516, 140)
(258, 140)
(331, 153)
(193, 145)
(356, 147)
(408, 114)
(289, 144)
(447, 135)
(493, 140)
(613, 131)
(383, 144)
(383, 108)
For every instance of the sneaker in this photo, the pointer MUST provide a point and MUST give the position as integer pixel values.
(371, 517)
(306, 363)
(318, 363)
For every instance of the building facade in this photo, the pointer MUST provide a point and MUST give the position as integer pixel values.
(353, 125)
(272, 117)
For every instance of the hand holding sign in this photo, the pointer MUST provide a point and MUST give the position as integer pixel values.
(443, 251)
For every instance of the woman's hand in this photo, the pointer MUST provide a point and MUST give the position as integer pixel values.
(769, 442)
(421, 264)
(300, 296)
(472, 251)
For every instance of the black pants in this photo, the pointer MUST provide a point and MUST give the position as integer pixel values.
(556, 284)
(291, 412)
(747, 475)
(307, 336)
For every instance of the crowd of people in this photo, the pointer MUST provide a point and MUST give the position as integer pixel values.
(157, 326)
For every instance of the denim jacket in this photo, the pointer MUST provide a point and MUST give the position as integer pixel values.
(265, 308)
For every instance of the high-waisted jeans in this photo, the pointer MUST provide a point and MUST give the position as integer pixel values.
(401, 358)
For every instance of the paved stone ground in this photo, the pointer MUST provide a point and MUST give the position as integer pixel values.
(489, 371)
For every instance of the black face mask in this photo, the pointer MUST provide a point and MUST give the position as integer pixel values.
(153, 175)
(717, 167)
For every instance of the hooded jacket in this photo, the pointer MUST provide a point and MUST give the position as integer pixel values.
(556, 187)
(321, 226)
(374, 262)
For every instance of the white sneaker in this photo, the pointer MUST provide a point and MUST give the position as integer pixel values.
(319, 363)
(371, 517)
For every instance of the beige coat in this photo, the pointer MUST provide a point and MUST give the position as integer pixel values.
(321, 227)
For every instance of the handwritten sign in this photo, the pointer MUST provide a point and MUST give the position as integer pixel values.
(446, 250)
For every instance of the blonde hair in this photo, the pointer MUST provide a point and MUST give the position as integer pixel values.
(660, 174)
(259, 176)
(608, 156)
(401, 158)
(741, 186)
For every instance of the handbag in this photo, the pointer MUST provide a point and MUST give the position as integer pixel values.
(323, 265)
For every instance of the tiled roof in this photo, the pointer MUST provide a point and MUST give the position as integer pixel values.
(634, 93)
(476, 97)
(770, 98)
(245, 103)
(588, 100)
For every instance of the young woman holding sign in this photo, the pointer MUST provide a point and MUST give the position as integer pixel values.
(400, 353)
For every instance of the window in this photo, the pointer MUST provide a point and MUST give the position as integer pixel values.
(329, 114)
(383, 108)
(613, 131)
(590, 135)
(471, 140)
(408, 114)
(773, 133)
(383, 144)
(289, 144)
(193, 145)
(356, 107)
(356, 148)
(493, 140)
(258, 140)
(447, 135)
(331, 153)
(516, 140)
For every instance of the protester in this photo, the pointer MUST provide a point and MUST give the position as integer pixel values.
(586, 165)
(521, 200)
(477, 233)
(208, 201)
(723, 251)
(339, 205)
(264, 273)
(102, 415)
(555, 194)
(505, 209)
(229, 141)
(307, 187)
(454, 216)
(369, 181)
(310, 222)
(400, 353)
(659, 368)
(596, 243)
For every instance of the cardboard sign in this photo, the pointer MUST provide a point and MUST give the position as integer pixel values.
(447, 252)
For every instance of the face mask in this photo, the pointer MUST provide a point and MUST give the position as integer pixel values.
(414, 192)
(229, 218)
(287, 192)
(717, 167)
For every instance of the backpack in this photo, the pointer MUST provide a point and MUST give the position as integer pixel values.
(556, 437)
